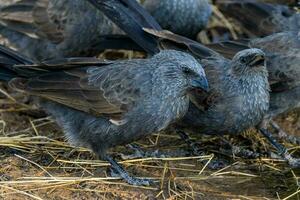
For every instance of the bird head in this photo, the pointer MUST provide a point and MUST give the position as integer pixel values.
(249, 61)
(184, 70)
(195, 77)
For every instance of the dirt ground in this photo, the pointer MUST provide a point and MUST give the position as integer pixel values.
(38, 163)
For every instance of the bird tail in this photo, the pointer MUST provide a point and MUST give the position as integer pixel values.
(131, 17)
(252, 14)
(117, 42)
(142, 28)
(8, 60)
(229, 48)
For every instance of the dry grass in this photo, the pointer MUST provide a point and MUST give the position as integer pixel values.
(37, 163)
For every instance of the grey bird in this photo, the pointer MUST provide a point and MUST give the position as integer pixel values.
(239, 94)
(47, 29)
(101, 104)
(184, 17)
(259, 18)
(247, 98)
(283, 58)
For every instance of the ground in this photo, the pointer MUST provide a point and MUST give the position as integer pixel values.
(38, 163)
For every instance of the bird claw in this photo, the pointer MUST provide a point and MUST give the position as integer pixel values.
(217, 164)
(292, 139)
(117, 170)
(129, 179)
(195, 150)
(139, 181)
(281, 150)
(293, 162)
(244, 153)
(284, 135)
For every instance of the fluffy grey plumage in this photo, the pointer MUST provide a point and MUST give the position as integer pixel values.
(45, 29)
(117, 103)
(283, 58)
(168, 40)
(239, 97)
(110, 104)
(240, 94)
(184, 17)
(261, 19)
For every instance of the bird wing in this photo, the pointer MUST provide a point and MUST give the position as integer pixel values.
(109, 90)
(229, 48)
(131, 17)
(257, 18)
(169, 40)
(37, 18)
(282, 50)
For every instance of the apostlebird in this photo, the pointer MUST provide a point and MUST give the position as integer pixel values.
(101, 104)
(247, 101)
(48, 29)
(283, 58)
(259, 18)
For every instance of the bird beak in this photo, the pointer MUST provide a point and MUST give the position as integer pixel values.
(201, 83)
(257, 61)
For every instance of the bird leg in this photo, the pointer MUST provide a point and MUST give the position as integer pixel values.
(240, 151)
(118, 170)
(214, 164)
(282, 151)
(283, 135)
(195, 149)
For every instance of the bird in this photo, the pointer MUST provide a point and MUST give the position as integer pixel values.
(250, 115)
(239, 90)
(101, 104)
(259, 18)
(49, 29)
(283, 58)
(183, 17)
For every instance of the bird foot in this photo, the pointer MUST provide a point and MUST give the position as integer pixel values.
(217, 164)
(244, 153)
(118, 171)
(293, 162)
(284, 135)
(129, 179)
(281, 150)
(195, 149)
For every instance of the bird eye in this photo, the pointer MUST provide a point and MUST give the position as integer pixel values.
(187, 70)
(243, 60)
